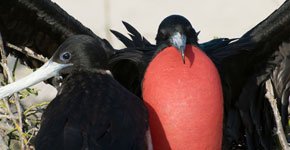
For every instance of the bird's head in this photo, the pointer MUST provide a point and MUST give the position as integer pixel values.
(80, 51)
(177, 31)
(77, 52)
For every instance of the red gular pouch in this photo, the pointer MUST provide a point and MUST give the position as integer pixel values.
(185, 101)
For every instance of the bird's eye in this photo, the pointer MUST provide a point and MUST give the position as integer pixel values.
(65, 56)
(161, 37)
(163, 34)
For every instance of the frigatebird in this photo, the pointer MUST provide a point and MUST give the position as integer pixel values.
(91, 109)
(244, 66)
(174, 87)
(242, 110)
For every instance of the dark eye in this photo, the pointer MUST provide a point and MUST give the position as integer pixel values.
(65, 56)
(163, 33)
(161, 36)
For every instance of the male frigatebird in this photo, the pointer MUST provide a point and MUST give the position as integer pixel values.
(91, 109)
(175, 86)
(257, 56)
(244, 66)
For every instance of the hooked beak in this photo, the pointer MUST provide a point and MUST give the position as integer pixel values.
(179, 41)
(46, 71)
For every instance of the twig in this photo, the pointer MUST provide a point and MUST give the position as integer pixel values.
(9, 79)
(6, 116)
(28, 52)
(35, 106)
(2, 110)
(280, 132)
(2, 144)
(19, 113)
(6, 126)
(14, 68)
(32, 131)
(6, 72)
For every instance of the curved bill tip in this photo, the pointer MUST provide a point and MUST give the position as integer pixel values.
(46, 71)
(178, 40)
(183, 57)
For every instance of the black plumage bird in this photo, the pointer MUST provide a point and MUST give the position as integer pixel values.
(91, 109)
(244, 65)
(129, 64)
(168, 85)
(40, 25)
(255, 57)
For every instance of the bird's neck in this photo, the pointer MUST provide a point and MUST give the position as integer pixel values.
(102, 72)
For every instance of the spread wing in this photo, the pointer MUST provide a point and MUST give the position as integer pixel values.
(40, 25)
(245, 65)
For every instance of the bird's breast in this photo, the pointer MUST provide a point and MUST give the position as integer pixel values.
(184, 100)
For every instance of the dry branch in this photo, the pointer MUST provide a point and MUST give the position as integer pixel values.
(28, 52)
(280, 132)
(9, 79)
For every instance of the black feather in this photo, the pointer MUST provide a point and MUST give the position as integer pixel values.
(40, 25)
(126, 41)
(99, 114)
(244, 66)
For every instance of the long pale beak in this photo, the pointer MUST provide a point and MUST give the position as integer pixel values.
(48, 70)
(179, 41)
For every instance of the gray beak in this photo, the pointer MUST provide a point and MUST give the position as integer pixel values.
(48, 70)
(179, 41)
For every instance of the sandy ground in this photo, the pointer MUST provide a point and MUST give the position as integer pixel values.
(219, 18)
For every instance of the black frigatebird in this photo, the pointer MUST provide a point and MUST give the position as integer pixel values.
(47, 25)
(42, 26)
(244, 66)
(168, 86)
(91, 109)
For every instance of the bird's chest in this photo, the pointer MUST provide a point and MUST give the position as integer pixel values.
(183, 98)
